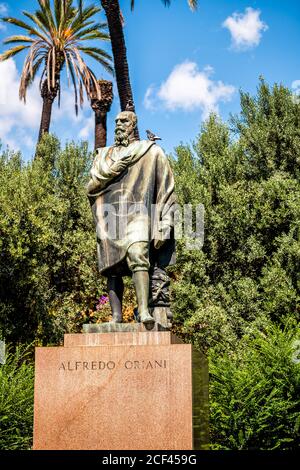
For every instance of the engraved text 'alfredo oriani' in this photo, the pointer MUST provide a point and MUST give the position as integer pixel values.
(111, 365)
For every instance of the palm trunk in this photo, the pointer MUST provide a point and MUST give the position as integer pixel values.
(48, 98)
(100, 129)
(113, 15)
(101, 108)
(46, 117)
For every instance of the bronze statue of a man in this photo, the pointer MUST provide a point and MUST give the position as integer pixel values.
(131, 191)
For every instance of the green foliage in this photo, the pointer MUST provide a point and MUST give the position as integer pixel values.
(48, 271)
(16, 400)
(255, 392)
(237, 299)
(248, 270)
(269, 131)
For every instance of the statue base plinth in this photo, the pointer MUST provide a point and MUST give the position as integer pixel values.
(120, 390)
(159, 314)
(121, 327)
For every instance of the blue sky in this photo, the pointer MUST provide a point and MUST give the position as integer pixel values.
(183, 65)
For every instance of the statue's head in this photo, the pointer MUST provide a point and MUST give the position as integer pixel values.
(126, 123)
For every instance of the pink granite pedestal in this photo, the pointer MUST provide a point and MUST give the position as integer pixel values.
(131, 390)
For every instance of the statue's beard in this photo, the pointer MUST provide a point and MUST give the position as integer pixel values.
(121, 138)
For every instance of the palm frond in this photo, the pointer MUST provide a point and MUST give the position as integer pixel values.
(95, 35)
(105, 64)
(63, 10)
(46, 12)
(95, 50)
(67, 66)
(80, 34)
(19, 38)
(35, 19)
(86, 14)
(83, 29)
(30, 77)
(58, 11)
(53, 63)
(87, 76)
(74, 75)
(12, 52)
(16, 22)
(21, 24)
(48, 71)
(35, 56)
(67, 18)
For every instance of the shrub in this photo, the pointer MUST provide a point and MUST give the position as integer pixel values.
(48, 264)
(248, 270)
(255, 392)
(16, 400)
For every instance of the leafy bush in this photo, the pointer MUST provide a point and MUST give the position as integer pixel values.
(255, 392)
(248, 271)
(16, 400)
(49, 280)
(235, 298)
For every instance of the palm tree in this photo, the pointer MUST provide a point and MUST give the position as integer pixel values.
(101, 107)
(54, 40)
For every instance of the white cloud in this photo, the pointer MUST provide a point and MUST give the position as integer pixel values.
(88, 129)
(246, 28)
(187, 88)
(16, 118)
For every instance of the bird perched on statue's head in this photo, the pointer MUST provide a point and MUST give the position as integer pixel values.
(152, 136)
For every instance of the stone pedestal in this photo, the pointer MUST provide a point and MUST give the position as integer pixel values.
(120, 390)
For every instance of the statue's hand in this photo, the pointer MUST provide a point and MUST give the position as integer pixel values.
(91, 187)
(120, 165)
(163, 235)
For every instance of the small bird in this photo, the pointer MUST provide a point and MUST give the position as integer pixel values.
(130, 106)
(152, 136)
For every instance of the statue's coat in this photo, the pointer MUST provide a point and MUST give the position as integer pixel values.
(136, 177)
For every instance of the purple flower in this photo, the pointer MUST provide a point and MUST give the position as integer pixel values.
(101, 301)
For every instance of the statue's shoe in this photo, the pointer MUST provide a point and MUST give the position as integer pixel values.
(116, 319)
(146, 318)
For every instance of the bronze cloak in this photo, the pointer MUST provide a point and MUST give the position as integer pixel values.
(131, 192)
